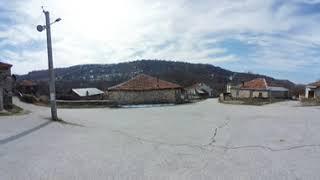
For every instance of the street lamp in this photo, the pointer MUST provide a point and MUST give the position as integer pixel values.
(52, 87)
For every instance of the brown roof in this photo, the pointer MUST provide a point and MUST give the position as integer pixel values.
(255, 84)
(27, 83)
(317, 84)
(144, 82)
(5, 66)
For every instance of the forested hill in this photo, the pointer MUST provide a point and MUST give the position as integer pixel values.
(105, 75)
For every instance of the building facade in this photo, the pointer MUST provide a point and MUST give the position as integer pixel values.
(313, 90)
(144, 89)
(86, 94)
(6, 82)
(258, 88)
(199, 91)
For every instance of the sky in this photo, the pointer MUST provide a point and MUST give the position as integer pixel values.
(279, 38)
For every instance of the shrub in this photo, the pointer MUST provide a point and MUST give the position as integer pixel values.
(28, 98)
(310, 101)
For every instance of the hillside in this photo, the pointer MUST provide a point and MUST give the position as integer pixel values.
(106, 75)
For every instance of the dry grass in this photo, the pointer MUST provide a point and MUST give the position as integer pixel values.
(310, 102)
(16, 110)
(251, 101)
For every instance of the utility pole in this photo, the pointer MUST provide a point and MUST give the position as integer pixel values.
(53, 104)
(52, 86)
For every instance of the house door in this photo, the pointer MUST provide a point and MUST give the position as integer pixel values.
(311, 94)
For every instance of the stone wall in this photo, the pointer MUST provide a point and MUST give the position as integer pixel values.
(1, 99)
(145, 97)
(6, 86)
(235, 93)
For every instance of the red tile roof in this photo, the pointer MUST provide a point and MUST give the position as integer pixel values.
(255, 84)
(144, 82)
(5, 66)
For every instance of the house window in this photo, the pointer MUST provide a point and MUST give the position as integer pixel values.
(260, 94)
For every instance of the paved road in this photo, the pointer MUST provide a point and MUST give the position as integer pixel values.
(206, 140)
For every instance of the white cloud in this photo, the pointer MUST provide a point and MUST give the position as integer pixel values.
(120, 30)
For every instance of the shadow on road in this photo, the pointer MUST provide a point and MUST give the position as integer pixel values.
(24, 133)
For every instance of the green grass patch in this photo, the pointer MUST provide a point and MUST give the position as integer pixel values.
(16, 110)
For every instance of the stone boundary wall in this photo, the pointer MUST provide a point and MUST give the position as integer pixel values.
(145, 97)
(6, 86)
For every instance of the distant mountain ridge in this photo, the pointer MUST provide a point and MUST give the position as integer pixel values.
(185, 74)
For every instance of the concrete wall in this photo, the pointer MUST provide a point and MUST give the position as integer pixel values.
(145, 97)
(280, 94)
(315, 90)
(307, 92)
(244, 94)
(6, 86)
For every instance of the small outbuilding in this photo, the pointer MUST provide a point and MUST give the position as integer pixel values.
(258, 88)
(313, 90)
(199, 91)
(27, 87)
(6, 82)
(86, 94)
(144, 89)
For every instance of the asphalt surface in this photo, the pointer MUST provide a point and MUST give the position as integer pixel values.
(206, 140)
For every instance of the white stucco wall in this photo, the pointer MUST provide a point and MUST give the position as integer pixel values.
(307, 92)
(316, 92)
(264, 94)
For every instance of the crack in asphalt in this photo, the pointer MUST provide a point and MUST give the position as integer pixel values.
(266, 147)
(201, 147)
(225, 124)
(207, 148)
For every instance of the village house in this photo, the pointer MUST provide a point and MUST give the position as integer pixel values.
(27, 87)
(199, 91)
(86, 94)
(313, 90)
(258, 88)
(144, 89)
(5, 86)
